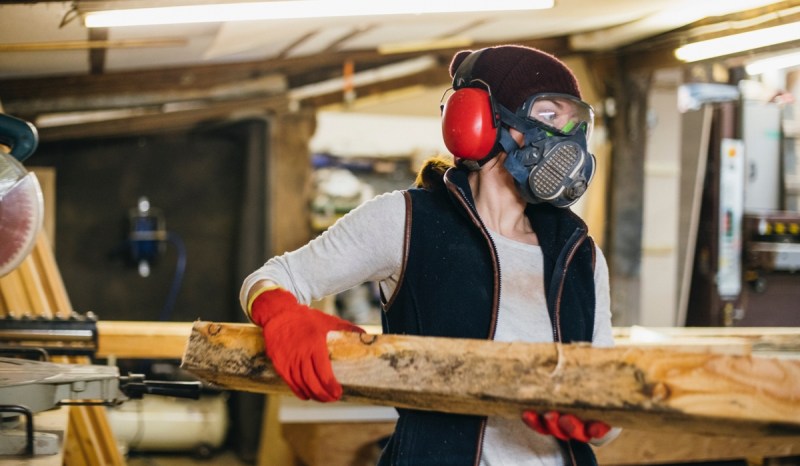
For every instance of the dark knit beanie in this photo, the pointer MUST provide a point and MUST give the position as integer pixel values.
(515, 72)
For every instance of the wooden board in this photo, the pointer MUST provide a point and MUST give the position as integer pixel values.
(136, 340)
(644, 389)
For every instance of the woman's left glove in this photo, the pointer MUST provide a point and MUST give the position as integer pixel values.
(565, 426)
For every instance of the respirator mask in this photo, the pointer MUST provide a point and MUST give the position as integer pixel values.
(553, 164)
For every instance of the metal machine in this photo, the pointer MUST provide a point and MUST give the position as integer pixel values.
(28, 387)
(21, 203)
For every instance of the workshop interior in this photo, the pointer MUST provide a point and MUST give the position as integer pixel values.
(148, 163)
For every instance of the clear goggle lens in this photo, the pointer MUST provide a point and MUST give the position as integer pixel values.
(561, 113)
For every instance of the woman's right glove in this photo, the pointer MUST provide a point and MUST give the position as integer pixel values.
(295, 341)
(565, 426)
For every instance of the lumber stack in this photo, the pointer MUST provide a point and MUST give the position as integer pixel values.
(36, 289)
(644, 389)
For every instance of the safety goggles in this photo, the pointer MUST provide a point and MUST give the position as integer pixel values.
(559, 113)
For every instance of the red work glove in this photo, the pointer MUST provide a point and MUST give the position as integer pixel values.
(565, 426)
(295, 340)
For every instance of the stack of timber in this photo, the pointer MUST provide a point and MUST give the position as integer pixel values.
(637, 388)
(36, 289)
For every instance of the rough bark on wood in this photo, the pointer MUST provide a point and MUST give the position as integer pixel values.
(648, 389)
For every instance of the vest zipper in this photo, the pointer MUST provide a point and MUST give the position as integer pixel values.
(577, 238)
(473, 213)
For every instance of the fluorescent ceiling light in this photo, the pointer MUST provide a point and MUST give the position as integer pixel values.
(773, 63)
(213, 13)
(738, 42)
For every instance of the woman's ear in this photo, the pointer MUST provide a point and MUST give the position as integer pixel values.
(517, 136)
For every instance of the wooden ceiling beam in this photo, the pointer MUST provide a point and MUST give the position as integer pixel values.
(256, 88)
(97, 56)
(167, 121)
(436, 76)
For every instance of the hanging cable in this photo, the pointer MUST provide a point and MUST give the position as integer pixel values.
(177, 278)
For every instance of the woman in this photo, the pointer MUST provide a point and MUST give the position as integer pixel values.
(485, 249)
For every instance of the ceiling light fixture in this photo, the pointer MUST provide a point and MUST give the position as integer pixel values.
(739, 42)
(777, 62)
(213, 13)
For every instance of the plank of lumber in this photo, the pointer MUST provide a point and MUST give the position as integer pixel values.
(54, 288)
(34, 289)
(627, 387)
(4, 312)
(131, 339)
(13, 290)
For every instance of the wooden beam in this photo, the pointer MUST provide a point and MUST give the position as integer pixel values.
(93, 43)
(97, 55)
(436, 76)
(136, 340)
(159, 122)
(643, 389)
(626, 204)
(288, 171)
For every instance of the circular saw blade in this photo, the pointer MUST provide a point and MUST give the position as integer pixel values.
(21, 213)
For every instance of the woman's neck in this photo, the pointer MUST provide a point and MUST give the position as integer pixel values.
(501, 208)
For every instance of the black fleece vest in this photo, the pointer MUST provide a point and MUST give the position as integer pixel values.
(450, 287)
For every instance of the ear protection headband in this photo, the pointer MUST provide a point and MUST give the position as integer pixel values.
(470, 119)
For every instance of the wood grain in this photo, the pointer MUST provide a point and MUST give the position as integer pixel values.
(647, 389)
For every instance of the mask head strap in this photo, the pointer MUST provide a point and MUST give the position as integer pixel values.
(463, 75)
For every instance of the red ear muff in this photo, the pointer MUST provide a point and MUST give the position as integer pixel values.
(469, 125)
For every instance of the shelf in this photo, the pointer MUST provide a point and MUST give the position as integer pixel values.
(785, 248)
(791, 128)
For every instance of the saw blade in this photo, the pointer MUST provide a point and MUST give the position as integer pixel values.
(21, 216)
